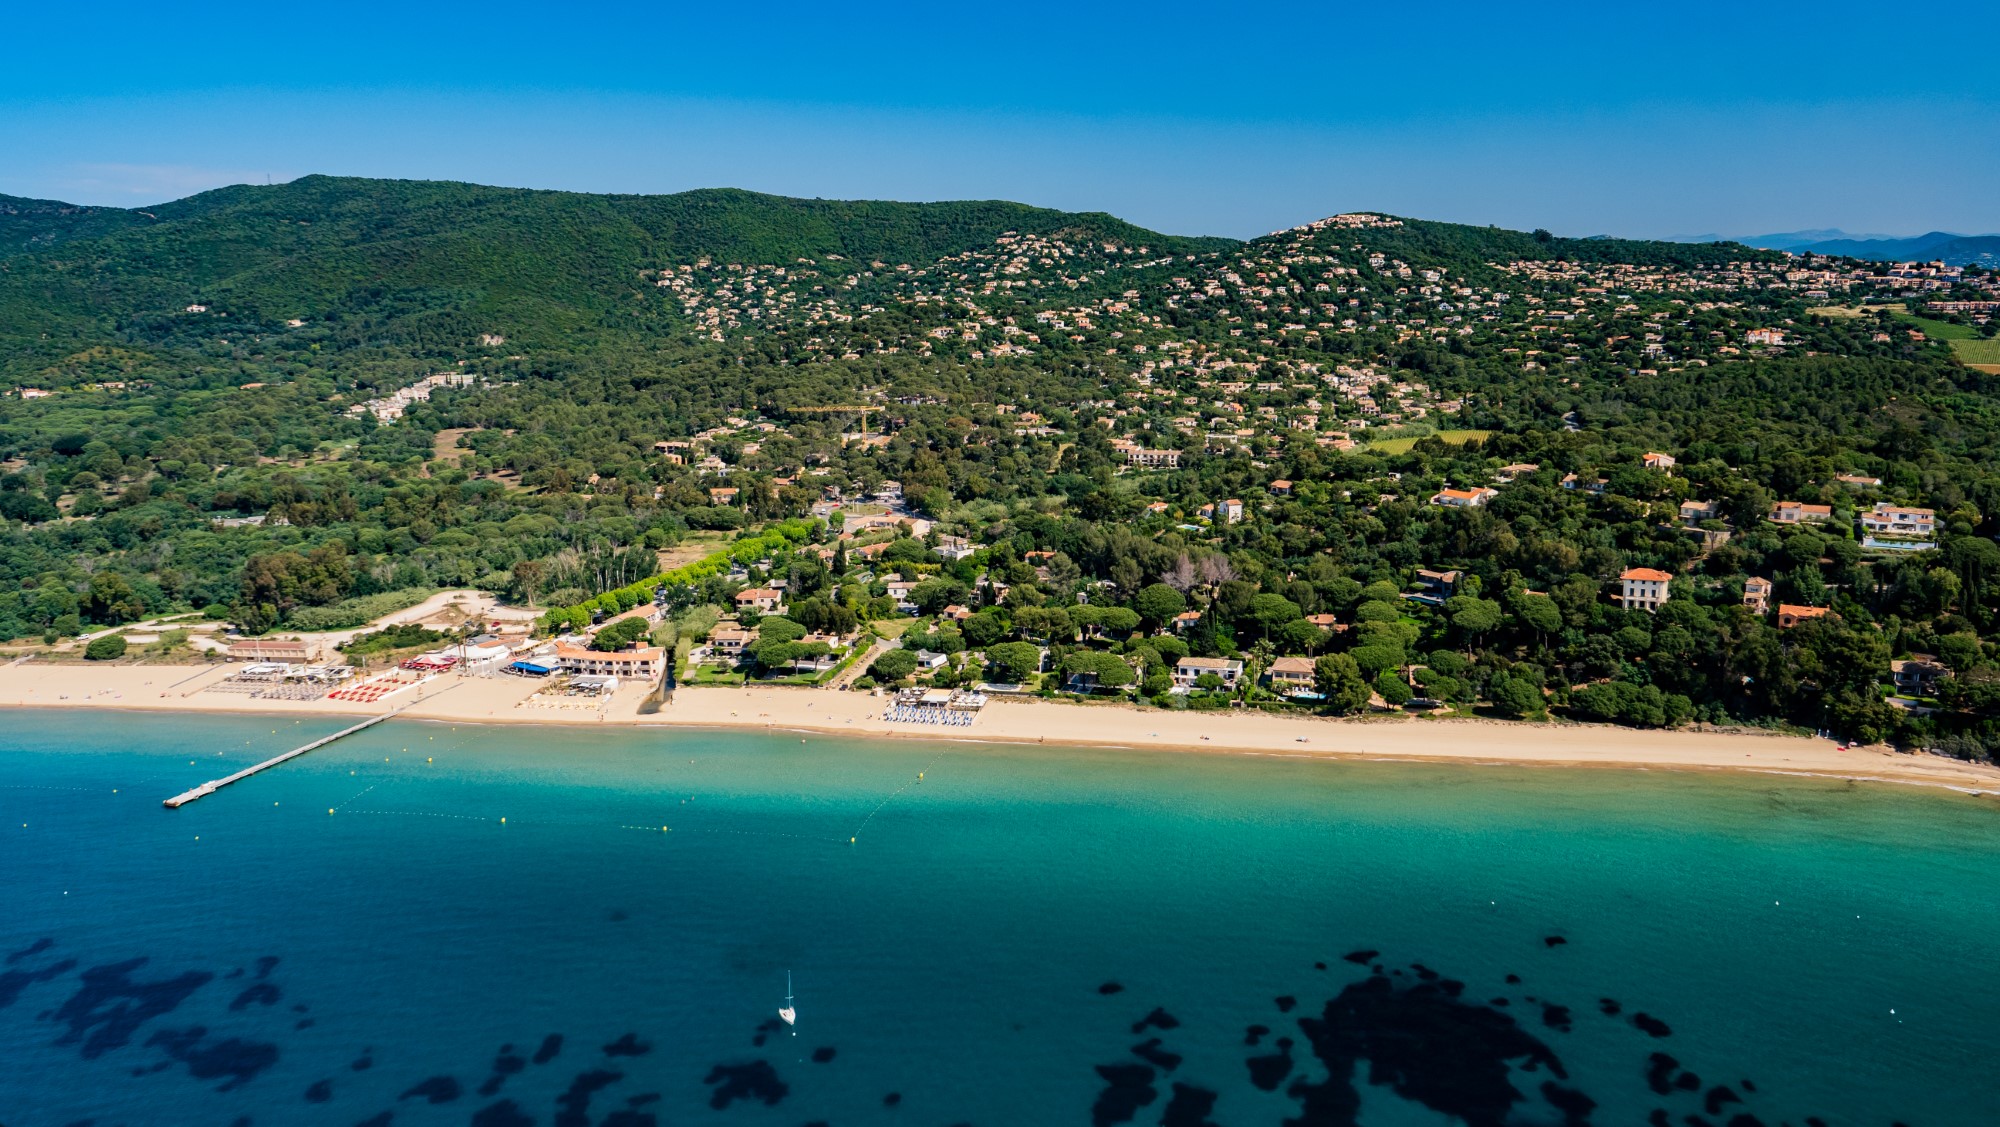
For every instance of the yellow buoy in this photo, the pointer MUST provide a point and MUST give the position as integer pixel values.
(329, 809)
(503, 821)
(850, 841)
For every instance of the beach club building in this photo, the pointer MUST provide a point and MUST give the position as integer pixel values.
(635, 661)
(272, 649)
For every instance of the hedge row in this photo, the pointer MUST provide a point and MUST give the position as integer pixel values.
(747, 551)
(357, 611)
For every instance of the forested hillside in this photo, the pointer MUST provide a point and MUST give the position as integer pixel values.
(426, 267)
(264, 400)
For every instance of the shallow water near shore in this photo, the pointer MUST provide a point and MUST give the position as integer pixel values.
(1026, 935)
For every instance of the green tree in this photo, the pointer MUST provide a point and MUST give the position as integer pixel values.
(1110, 669)
(1012, 662)
(1394, 690)
(1300, 637)
(983, 629)
(1159, 604)
(1540, 614)
(1339, 681)
(1375, 658)
(894, 665)
(1514, 696)
(1272, 611)
(620, 634)
(1472, 615)
(108, 647)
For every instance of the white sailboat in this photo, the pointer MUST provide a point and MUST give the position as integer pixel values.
(786, 1011)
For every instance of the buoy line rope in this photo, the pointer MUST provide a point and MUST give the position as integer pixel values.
(894, 794)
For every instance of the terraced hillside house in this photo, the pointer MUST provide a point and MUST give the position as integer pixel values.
(1902, 521)
(1463, 498)
(1790, 615)
(1794, 512)
(1757, 594)
(1643, 588)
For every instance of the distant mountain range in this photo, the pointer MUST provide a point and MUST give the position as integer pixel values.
(1955, 249)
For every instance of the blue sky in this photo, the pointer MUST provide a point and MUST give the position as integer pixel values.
(1200, 119)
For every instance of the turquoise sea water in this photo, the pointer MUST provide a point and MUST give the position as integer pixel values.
(989, 948)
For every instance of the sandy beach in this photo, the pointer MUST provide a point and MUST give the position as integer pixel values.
(505, 700)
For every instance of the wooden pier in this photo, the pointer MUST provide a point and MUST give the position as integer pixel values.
(208, 788)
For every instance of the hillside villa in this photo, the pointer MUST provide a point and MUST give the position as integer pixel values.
(1643, 588)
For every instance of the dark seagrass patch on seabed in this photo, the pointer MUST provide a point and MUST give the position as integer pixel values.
(1189, 1107)
(1420, 1039)
(754, 1080)
(435, 1089)
(1127, 1088)
(505, 1113)
(13, 982)
(108, 1009)
(573, 1106)
(1651, 1025)
(1150, 1051)
(32, 949)
(258, 994)
(627, 1046)
(232, 1060)
(505, 1063)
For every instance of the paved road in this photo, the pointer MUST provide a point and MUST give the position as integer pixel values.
(881, 646)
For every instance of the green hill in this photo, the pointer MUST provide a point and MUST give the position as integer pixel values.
(27, 225)
(1459, 246)
(418, 262)
(422, 268)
